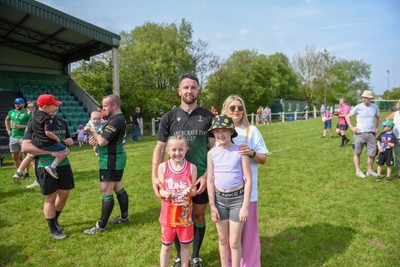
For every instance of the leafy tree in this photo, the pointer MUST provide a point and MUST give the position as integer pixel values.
(310, 67)
(256, 77)
(393, 94)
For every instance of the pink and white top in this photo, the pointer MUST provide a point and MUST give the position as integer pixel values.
(343, 111)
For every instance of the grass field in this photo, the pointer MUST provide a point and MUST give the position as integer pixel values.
(313, 210)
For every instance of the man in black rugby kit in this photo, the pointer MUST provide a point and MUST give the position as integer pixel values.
(56, 191)
(112, 157)
(193, 122)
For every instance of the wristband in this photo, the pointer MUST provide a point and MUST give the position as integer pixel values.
(253, 154)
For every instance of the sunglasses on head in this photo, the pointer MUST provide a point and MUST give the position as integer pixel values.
(233, 108)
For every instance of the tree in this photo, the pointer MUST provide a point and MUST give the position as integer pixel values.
(256, 77)
(310, 67)
(393, 94)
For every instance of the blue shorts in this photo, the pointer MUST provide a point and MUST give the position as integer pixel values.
(56, 147)
(328, 125)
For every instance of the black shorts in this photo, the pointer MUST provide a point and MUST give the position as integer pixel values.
(110, 175)
(202, 198)
(50, 185)
(343, 127)
(385, 157)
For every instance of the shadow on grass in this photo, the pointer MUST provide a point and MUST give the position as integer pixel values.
(9, 254)
(306, 246)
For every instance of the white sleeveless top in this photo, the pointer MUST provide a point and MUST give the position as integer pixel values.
(396, 128)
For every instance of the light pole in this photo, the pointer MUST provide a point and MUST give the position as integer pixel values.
(388, 72)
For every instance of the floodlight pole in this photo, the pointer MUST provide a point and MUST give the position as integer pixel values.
(115, 70)
(388, 72)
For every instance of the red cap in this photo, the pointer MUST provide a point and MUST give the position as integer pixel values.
(45, 100)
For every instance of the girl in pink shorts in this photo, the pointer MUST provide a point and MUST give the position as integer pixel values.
(177, 176)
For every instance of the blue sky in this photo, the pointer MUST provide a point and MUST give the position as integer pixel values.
(367, 30)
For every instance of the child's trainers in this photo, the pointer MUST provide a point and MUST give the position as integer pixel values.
(17, 178)
(52, 171)
(388, 179)
(378, 178)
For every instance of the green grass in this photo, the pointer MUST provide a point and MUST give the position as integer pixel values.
(313, 211)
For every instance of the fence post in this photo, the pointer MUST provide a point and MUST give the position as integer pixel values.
(295, 115)
(141, 128)
(283, 116)
(252, 118)
(315, 113)
(153, 127)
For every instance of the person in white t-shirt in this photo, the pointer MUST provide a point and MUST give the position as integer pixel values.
(251, 143)
(365, 131)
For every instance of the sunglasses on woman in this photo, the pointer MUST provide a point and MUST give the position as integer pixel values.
(233, 108)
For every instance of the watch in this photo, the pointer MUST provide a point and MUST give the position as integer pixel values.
(253, 154)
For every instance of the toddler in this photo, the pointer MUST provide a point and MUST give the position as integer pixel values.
(97, 123)
(385, 142)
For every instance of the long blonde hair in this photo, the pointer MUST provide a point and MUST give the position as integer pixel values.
(225, 110)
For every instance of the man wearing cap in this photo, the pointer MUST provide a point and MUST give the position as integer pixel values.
(43, 132)
(55, 191)
(365, 131)
(16, 122)
(193, 122)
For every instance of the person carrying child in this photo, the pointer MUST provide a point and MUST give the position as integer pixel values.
(327, 120)
(177, 176)
(43, 136)
(97, 123)
(385, 142)
(229, 189)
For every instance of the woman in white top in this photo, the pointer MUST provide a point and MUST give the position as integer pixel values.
(251, 143)
(395, 117)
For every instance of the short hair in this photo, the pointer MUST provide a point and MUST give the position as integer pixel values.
(137, 109)
(33, 102)
(114, 99)
(94, 113)
(188, 76)
(343, 99)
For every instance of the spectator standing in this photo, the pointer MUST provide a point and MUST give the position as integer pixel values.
(365, 131)
(322, 109)
(135, 120)
(112, 157)
(15, 122)
(259, 116)
(327, 120)
(251, 143)
(385, 142)
(395, 117)
(267, 115)
(80, 135)
(193, 123)
(55, 191)
(343, 110)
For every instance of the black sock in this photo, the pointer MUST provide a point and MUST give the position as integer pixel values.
(123, 201)
(177, 247)
(58, 214)
(199, 232)
(52, 224)
(343, 139)
(106, 209)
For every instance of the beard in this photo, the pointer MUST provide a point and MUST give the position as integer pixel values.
(189, 101)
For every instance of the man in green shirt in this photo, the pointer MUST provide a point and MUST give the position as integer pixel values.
(112, 158)
(16, 122)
